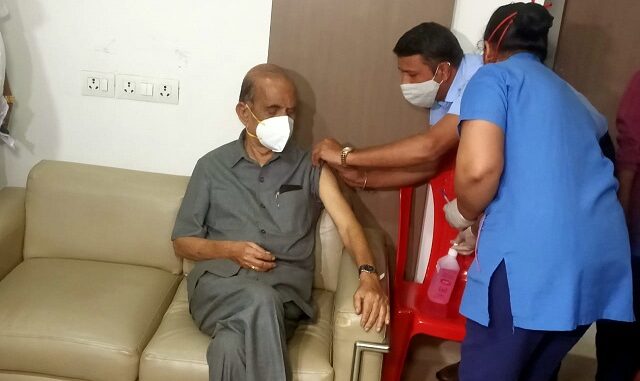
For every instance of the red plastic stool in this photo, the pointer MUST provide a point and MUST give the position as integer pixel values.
(412, 312)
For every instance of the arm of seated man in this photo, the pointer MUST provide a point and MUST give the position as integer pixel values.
(246, 254)
(370, 300)
(188, 233)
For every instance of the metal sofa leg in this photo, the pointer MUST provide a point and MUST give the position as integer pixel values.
(362, 346)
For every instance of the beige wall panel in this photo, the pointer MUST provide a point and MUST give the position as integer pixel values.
(340, 53)
(599, 50)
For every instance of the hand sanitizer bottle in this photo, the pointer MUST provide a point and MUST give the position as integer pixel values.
(445, 278)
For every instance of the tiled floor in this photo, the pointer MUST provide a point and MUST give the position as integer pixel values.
(428, 355)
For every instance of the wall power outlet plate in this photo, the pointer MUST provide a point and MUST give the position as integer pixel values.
(139, 88)
(97, 84)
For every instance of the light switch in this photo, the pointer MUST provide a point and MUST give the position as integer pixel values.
(145, 89)
(104, 84)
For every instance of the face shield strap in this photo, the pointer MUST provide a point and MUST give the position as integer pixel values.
(508, 21)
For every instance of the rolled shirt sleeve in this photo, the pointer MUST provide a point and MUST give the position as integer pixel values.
(314, 181)
(190, 221)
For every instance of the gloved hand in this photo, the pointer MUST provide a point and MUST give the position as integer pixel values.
(465, 242)
(454, 217)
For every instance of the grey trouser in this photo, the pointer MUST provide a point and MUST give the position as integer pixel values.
(249, 325)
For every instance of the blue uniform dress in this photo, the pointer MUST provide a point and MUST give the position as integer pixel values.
(555, 220)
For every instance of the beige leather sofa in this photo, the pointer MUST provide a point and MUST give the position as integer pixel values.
(90, 287)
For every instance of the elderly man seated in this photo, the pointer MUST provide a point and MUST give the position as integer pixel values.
(248, 218)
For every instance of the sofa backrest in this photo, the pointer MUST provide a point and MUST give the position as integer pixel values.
(98, 213)
(328, 252)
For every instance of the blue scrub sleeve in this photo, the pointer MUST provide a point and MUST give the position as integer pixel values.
(599, 119)
(485, 97)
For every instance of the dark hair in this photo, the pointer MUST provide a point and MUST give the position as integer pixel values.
(434, 42)
(527, 30)
(246, 90)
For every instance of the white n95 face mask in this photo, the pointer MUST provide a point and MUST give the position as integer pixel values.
(421, 94)
(273, 133)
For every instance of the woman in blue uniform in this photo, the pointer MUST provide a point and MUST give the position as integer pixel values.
(553, 251)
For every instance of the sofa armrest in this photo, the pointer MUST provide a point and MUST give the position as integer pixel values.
(12, 219)
(347, 328)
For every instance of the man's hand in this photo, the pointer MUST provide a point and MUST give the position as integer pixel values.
(371, 302)
(328, 150)
(352, 176)
(251, 256)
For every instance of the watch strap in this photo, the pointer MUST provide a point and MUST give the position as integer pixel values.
(343, 155)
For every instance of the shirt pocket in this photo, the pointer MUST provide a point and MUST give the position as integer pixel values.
(292, 211)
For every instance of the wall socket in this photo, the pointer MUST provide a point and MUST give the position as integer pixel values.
(97, 84)
(147, 89)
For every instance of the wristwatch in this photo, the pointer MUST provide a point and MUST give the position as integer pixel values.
(343, 155)
(367, 269)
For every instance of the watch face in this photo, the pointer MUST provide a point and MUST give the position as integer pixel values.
(346, 150)
(367, 268)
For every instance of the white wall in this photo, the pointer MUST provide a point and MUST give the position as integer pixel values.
(470, 17)
(207, 45)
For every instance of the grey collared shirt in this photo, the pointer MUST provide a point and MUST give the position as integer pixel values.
(230, 197)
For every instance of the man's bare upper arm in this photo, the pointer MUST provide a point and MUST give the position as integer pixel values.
(334, 201)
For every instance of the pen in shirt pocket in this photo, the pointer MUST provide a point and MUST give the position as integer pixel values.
(284, 188)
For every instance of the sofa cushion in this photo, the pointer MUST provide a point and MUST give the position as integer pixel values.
(84, 211)
(13, 376)
(178, 349)
(80, 319)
